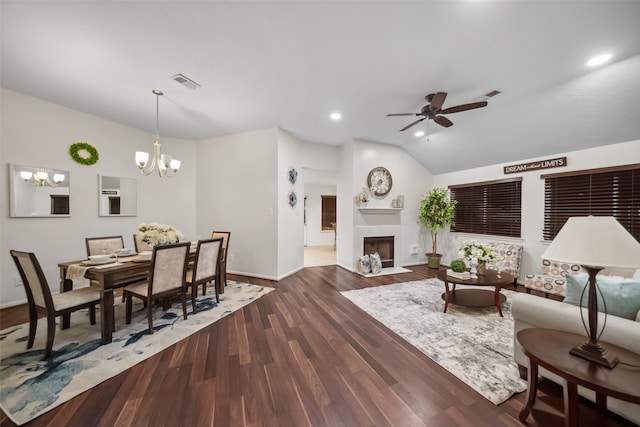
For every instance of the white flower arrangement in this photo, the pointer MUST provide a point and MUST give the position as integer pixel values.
(159, 234)
(363, 196)
(482, 253)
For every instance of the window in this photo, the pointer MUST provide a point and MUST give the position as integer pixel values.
(488, 207)
(602, 192)
(328, 212)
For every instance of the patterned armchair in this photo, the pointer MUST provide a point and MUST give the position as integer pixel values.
(552, 278)
(511, 258)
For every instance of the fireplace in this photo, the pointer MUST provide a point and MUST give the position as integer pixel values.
(383, 245)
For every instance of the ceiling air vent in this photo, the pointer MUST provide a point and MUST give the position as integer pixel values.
(185, 81)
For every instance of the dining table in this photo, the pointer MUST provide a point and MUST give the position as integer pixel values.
(108, 277)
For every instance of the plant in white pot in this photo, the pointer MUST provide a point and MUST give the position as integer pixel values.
(436, 212)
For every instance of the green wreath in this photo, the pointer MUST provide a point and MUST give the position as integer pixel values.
(89, 154)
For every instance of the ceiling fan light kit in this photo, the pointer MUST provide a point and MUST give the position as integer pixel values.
(434, 110)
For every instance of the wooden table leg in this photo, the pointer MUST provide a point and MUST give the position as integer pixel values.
(497, 300)
(570, 404)
(447, 295)
(601, 408)
(107, 323)
(532, 389)
(65, 286)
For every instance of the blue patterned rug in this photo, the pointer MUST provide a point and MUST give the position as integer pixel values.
(31, 386)
(474, 344)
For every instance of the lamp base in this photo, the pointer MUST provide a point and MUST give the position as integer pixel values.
(595, 353)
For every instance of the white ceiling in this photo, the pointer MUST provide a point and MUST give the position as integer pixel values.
(290, 64)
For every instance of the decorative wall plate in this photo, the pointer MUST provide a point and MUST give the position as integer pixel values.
(293, 175)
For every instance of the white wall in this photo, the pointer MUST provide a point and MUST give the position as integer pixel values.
(38, 133)
(532, 196)
(315, 235)
(290, 218)
(237, 189)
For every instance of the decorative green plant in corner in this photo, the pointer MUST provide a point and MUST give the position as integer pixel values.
(436, 212)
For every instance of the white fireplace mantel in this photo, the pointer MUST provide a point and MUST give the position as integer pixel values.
(379, 210)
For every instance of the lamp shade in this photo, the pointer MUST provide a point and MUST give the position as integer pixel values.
(597, 241)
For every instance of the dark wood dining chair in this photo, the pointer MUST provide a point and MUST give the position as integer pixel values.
(103, 245)
(226, 236)
(166, 279)
(42, 302)
(206, 268)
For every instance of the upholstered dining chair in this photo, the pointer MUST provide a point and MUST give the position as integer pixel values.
(41, 301)
(226, 236)
(139, 245)
(166, 278)
(206, 268)
(103, 245)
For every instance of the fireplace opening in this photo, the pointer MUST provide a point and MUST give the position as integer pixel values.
(383, 245)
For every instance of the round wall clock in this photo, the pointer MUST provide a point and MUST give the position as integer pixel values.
(380, 181)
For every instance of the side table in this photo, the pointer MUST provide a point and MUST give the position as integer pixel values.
(550, 349)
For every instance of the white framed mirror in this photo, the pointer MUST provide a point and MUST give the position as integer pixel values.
(117, 196)
(38, 191)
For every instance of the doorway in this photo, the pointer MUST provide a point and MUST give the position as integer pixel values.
(320, 224)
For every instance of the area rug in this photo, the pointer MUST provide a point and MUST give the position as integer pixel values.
(474, 344)
(31, 386)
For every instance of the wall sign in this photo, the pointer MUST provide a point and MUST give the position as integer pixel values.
(541, 164)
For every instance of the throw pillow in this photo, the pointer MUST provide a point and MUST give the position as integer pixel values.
(622, 296)
(364, 265)
(376, 263)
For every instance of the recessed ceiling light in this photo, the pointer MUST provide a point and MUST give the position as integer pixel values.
(336, 116)
(600, 59)
(419, 133)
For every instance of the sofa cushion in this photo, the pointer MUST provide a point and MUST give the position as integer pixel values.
(621, 296)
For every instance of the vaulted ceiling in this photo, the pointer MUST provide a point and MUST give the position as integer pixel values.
(291, 64)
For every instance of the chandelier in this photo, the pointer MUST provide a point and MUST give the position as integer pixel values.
(167, 165)
(41, 178)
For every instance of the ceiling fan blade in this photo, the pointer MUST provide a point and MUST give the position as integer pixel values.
(437, 101)
(412, 124)
(464, 107)
(443, 121)
(403, 114)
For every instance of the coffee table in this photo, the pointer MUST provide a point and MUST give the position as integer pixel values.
(476, 297)
(550, 349)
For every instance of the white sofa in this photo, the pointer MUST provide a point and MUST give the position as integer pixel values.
(531, 311)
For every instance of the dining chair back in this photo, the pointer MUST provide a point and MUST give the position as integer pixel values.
(103, 245)
(42, 302)
(141, 245)
(206, 268)
(166, 278)
(226, 236)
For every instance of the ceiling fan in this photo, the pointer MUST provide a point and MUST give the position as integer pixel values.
(433, 110)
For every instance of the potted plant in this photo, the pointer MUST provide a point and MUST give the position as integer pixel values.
(436, 212)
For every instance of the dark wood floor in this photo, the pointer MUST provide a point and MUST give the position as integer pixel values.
(300, 356)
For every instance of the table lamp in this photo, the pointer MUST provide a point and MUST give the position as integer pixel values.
(594, 242)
